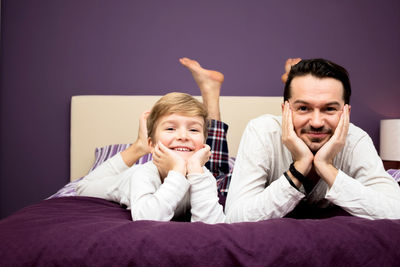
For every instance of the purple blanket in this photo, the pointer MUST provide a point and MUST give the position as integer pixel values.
(83, 231)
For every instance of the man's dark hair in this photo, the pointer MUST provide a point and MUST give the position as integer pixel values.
(320, 68)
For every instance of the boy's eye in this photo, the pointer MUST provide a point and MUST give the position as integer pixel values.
(169, 129)
(194, 130)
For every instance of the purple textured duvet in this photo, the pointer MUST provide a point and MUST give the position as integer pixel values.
(83, 231)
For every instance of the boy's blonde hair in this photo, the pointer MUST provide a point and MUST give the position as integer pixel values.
(178, 103)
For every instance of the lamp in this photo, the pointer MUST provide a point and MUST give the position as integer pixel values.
(390, 140)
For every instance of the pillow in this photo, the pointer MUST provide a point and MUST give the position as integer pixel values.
(101, 154)
(104, 153)
(395, 174)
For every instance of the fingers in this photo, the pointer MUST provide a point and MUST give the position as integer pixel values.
(343, 126)
(206, 147)
(287, 124)
(207, 150)
(345, 121)
(160, 150)
(142, 132)
(336, 143)
(145, 114)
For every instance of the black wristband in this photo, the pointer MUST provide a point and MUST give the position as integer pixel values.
(299, 176)
(290, 181)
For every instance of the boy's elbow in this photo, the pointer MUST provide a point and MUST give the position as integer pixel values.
(146, 214)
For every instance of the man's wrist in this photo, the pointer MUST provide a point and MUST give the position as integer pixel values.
(290, 180)
(303, 166)
(327, 172)
(297, 174)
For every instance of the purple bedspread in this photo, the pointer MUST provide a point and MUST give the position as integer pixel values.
(83, 231)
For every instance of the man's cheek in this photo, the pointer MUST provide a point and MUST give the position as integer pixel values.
(335, 121)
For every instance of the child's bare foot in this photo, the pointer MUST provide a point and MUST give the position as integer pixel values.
(205, 79)
(288, 65)
(209, 82)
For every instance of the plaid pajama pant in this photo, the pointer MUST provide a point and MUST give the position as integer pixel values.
(220, 165)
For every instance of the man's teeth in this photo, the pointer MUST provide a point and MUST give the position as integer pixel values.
(182, 149)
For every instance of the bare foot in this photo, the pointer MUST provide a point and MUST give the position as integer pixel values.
(288, 65)
(209, 82)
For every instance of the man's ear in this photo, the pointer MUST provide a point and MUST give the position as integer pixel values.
(349, 109)
(283, 106)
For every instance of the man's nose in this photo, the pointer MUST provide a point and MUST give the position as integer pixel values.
(317, 119)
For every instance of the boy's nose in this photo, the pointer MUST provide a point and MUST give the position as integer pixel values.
(182, 134)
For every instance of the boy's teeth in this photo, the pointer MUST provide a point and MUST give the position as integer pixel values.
(181, 149)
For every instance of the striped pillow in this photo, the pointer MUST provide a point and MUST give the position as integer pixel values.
(104, 153)
(395, 174)
(101, 154)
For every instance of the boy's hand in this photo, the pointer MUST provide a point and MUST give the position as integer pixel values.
(197, 160)
(166, 159)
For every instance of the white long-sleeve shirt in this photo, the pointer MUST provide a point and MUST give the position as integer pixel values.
(259, 190)
(140, 189)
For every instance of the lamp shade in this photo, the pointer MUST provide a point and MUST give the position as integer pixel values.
(390, 140)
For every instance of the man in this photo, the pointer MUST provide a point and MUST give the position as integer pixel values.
(311, 155)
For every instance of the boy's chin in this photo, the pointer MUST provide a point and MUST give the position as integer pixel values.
(185, 155)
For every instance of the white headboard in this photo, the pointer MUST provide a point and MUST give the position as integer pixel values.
(99, 120)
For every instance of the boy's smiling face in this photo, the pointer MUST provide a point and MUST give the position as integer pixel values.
(183, 134)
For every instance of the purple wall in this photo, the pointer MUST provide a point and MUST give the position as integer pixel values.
(53, 49)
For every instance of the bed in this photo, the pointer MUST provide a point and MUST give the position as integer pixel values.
(67, 230)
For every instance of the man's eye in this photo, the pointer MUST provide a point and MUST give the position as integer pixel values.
(302, 108)
(331, 109)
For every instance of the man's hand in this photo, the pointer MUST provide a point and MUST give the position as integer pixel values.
(166, 159)
(323, 160)
(301, 153)
(140, 147)
(196, 162)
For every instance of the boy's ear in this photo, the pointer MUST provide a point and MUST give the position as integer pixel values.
(150, 142)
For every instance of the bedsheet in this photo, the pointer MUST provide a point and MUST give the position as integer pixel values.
(85, 231)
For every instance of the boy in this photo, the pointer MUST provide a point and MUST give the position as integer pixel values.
(111, 180)
(176, 180)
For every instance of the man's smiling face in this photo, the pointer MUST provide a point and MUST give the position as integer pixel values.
(317, 104)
